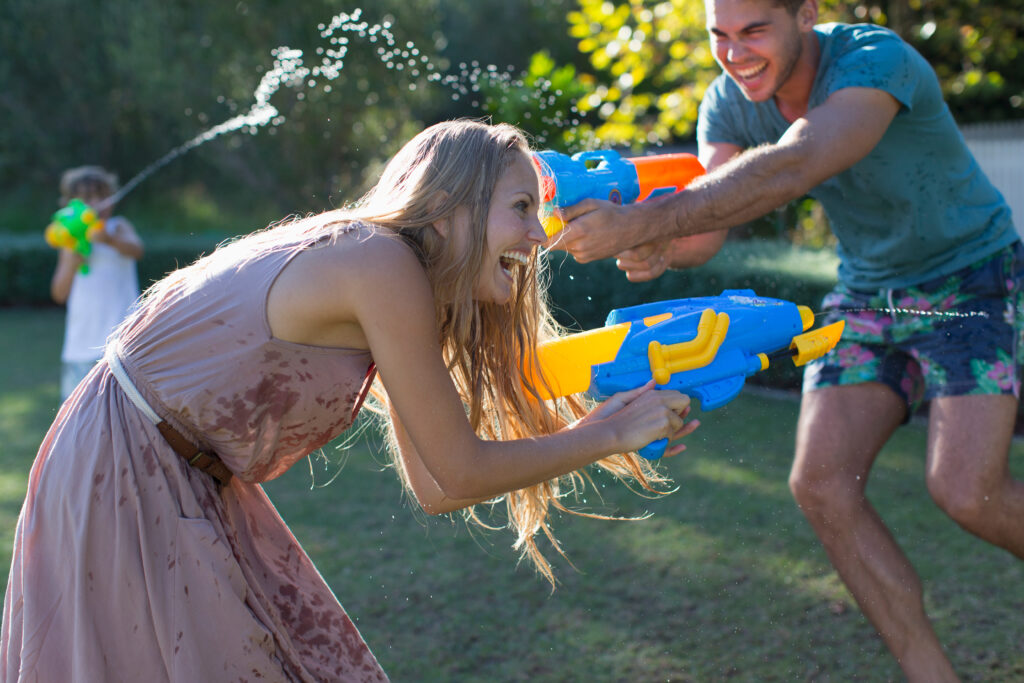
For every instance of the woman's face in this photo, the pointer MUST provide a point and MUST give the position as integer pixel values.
(513, 230)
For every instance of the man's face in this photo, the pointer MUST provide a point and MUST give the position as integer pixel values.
(756, 42)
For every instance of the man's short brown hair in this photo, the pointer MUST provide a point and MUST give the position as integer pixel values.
(791, 5)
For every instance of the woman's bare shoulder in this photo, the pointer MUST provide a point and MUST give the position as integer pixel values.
(341, 281)
(364, 256)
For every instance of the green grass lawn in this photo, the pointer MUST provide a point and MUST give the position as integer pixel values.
(724, 581)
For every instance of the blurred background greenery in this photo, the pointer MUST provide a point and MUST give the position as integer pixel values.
(124, 83)
(121, 82)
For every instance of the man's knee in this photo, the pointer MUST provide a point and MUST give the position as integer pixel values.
(823, 493)
(961, 495)
(967, 460)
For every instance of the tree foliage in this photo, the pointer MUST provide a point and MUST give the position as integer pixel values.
(120, 83)
(651, 62)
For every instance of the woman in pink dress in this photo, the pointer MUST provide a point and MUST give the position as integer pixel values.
(146, 548)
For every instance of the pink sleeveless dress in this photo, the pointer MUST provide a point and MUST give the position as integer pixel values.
(130, 565)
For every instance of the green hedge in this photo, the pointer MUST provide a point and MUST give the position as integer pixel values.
(27, 263)
(582, 294)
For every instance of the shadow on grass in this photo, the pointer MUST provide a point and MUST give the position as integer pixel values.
(725, 581)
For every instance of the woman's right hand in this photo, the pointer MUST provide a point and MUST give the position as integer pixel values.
(643, 415)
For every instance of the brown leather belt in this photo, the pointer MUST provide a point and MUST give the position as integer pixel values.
(206, 462)
(201, 460)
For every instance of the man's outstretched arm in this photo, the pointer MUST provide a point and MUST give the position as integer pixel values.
(827, 140)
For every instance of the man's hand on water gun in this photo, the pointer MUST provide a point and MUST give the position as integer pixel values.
(595, 229)
(645, 262)
(642, 415)
(588, 191)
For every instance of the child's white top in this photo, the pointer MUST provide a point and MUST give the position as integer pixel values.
(99, 300)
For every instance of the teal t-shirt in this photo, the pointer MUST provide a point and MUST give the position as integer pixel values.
(918, 206)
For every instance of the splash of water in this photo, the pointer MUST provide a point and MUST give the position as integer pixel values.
(471, 80)
(892, 310)
(287, 71)
(290, 71)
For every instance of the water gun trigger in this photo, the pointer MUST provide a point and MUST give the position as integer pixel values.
(711, 396)
(719, 393)
(662, 191)
(654, 450)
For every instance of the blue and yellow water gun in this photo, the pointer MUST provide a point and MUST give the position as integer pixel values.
(704, 347)
(604, 174)
(73, 227)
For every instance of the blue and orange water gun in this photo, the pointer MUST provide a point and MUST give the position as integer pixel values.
(73, 227)
(704, 347)
(604, 174)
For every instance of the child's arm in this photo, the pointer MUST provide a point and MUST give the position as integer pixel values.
(376, 292)
(123, 238)
(68, 262)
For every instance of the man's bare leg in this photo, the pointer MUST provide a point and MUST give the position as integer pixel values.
(840, 432)
(968, 467)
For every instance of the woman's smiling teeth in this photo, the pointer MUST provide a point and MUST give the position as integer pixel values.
(510, 257)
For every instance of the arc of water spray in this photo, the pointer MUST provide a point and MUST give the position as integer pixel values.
(915, 311)
(289, 71)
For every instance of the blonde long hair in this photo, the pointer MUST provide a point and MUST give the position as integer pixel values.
(486, 345)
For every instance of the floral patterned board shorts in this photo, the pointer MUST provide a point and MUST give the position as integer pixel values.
(955, 335)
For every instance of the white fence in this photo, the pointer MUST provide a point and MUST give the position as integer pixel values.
(999, 149)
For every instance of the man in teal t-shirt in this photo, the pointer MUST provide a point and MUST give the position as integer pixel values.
(931, 280)
(917, 206)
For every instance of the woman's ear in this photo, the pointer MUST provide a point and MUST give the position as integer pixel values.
(442, 225)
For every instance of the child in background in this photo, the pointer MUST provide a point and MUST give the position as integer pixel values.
(147, 549)
(98, 301)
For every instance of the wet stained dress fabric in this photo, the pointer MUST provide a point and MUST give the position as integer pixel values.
(131, 565)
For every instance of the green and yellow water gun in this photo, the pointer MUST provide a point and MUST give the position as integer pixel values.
(73, 227)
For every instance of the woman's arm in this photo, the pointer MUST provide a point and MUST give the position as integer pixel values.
(431, 498)
(376, 291)
(395, 310)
